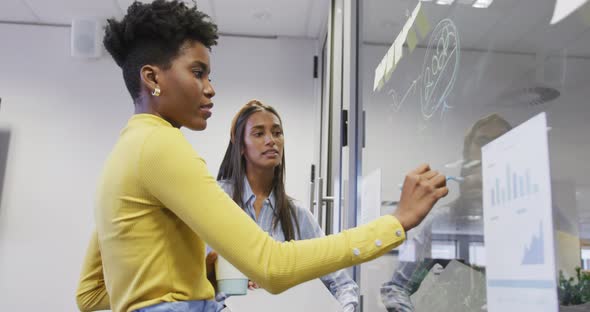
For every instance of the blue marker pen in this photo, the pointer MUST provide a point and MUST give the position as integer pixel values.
(456, 179)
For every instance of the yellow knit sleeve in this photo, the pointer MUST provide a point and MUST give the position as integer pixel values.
(91, 294)
(175, 174)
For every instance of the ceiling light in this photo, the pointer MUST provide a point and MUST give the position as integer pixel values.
(445, 2)
(482, 3)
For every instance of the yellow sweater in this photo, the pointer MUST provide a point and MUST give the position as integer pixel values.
(158, 205)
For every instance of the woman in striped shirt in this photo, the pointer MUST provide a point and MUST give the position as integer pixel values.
(253, 174)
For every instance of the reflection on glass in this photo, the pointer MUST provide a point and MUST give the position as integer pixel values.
(477, 254)
(444, 249)
(463, 215)
(586, 258)
(481, 68)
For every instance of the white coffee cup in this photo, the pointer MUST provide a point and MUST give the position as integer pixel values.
(230, 280)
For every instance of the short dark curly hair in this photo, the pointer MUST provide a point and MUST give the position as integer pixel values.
(153, 34)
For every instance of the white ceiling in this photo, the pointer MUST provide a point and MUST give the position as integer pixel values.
(291, 18)
(520, 26)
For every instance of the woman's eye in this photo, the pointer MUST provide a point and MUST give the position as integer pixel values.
(198, 74)
(258, 134)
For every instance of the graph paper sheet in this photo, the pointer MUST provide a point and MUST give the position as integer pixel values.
(518, 224)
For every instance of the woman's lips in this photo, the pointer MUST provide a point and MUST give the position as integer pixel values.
(206, 110)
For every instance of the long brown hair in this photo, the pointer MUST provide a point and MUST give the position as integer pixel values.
(233, 170)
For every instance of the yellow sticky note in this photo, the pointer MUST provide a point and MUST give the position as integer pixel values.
(398, 47)
(379, 73)
(423, 24)
(412, 39)
(585, 14)
(381, 84)
(390, 64)
(378, 78)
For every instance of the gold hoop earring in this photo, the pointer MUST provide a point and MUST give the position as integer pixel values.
(156, 91)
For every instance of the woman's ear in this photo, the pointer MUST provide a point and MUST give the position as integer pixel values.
(149, 77)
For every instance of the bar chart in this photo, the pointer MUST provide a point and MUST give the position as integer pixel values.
(513, 186)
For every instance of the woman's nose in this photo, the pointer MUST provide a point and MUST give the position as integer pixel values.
(209, 91)
(270, 139)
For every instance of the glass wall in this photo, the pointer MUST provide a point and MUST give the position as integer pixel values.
(464, 73)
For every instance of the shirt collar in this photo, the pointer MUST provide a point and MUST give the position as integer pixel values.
(249, 195)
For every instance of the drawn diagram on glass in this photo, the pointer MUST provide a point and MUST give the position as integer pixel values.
(395, 97)
(440, 68)
(439, 72)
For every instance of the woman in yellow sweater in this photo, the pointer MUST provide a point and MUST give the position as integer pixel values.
(157, 204)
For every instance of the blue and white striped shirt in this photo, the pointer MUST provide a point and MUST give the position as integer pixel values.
(342, 287)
